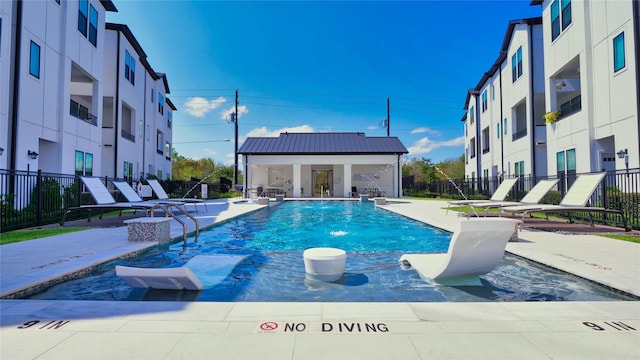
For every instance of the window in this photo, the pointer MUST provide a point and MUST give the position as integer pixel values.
(504, 126)
(88, 164)
(83, 11)
(516, 65)
(566, 168)
(560, 17)
(129, 67)
(167, 150)
(153, 94)
(128, 170)
(519, 168)
(160, 104)
(0, 36)
(618, 53)
(34, 60)
(79, 163)
(93, 25)
(566, 13)
(84, 163)
(472, 148)
(498, 128)
(160, 142)
(485, 140)
(472, 115)
(484, 101)
(160, 174)
(493, 92)
(169, 119)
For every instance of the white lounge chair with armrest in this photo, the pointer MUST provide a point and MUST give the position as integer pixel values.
(499, 195)
(476, 248)
(575, 200)
(534, 196)
(127, 191)
(162, 195)
(104, 200)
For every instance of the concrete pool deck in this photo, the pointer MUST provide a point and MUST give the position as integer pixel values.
(43, 329)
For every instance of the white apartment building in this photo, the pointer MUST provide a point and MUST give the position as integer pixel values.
(52, 57)
(591, 71)
(504, 133)
(76, 97)
(137, 114)
(581, 63)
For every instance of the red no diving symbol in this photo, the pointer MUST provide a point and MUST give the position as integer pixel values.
(268, 326)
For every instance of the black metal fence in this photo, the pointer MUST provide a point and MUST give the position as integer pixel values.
(30, 198)
(618, 191)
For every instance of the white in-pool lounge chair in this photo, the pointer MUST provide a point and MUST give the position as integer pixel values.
(575, 200)
(201, 272)
(499, 195)
(534, 196)
(162, 195)
(476, 248)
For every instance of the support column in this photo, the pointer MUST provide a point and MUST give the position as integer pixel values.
(297, 180)
(347, 180)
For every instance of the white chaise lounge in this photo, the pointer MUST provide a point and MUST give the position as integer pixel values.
(534, 196)
(162, 195)
(476, 248)
(575, 200)
(499, 195)
(201, 272)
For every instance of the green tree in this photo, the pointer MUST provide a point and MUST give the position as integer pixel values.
(454, 168)
(184, 168)
(421, 169)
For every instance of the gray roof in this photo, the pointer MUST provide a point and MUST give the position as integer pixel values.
(322, 143)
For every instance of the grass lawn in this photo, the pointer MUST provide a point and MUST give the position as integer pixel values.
(630, 238)
(30, 234)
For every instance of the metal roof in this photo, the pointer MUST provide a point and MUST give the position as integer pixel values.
(322, 143)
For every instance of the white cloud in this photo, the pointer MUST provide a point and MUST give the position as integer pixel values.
(422, 130)
(372, 127)
(425, 145)
(227, 113)
(264, 132)
(199, 106)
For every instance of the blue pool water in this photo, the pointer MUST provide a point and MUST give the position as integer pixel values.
(273, 240)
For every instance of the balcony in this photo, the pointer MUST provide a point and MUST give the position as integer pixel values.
(81, 112)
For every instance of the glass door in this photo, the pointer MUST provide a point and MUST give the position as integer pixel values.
(322, 182)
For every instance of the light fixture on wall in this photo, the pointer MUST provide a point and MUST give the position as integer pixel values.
(32, 154)
(624, 154)
(1, 150)
(560, 84)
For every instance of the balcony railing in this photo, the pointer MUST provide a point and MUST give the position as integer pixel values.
(82, 112)
(519, 134)
(127, 135)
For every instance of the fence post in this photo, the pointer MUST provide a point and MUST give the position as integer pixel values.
(39, 197)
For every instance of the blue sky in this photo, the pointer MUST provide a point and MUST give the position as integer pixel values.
(320, 67)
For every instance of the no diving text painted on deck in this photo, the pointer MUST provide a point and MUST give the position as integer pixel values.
(274, 327)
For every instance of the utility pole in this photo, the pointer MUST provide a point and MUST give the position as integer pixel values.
(388, 117)
(235, 167)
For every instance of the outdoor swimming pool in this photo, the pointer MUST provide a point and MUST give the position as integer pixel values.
(273, 240)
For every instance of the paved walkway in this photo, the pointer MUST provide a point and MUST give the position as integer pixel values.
(42, 329)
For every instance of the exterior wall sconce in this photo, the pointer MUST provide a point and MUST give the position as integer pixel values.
(560, 84)
(32, 155)
(624, 154)
(1, 150)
